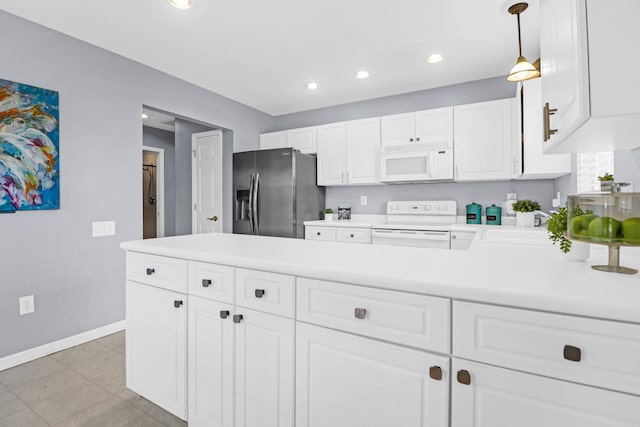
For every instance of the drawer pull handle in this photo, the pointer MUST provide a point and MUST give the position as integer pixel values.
(177, 303)
(318, 233)
(572, 353)
(352, 235)
(237, 318)
(435, 373)
(360, 313)
(206, 283)
(150, 271)
(224, 314)
(259, 293)
(464, 377)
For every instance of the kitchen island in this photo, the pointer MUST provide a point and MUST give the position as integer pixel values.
(379, 335)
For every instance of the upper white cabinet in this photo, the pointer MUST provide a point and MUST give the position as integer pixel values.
(486, 137)
(585, 58)
(428, 129)
(349, 152)
(536, 164)
(303, 139)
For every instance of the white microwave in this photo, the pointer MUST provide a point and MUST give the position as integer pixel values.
(417, 165)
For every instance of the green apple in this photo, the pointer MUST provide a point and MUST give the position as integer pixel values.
(604, 228)
(580, 225)
(631, 229)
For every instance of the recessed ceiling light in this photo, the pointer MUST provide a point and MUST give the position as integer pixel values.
(362, 74)
(144, 116)
(312, 86)
(435, 58)
(180, 4)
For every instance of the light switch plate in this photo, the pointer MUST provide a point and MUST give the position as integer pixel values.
(363, 200)
(27, 305)
(104, 228)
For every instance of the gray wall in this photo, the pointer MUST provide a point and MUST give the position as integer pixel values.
(77, 280)
(484, 193)
(159, 138)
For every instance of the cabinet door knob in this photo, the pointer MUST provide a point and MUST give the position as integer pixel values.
(206, 283)
(237, 318)
(259, 293)
(411, 139)
(352, 235)
(150, 271)
(360, 313)
(435, 373)
(418, 139)
(318, 233)
(224, 314)
(572, 353)
(464, 377)
(177, 303)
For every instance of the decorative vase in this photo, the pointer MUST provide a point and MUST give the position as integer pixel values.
(525, 219)
(328, 217)
(579, 251)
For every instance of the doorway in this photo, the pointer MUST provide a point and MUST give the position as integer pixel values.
(152, 192)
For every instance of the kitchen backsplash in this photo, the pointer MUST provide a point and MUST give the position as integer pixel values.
(484, 193)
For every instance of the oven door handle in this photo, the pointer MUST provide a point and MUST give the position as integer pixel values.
(411, 234)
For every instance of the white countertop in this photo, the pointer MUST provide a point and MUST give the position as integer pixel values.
(527, 276)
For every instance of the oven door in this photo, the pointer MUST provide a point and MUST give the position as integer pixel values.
(416, 238)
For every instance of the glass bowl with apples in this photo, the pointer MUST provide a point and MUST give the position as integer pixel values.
(606, 218)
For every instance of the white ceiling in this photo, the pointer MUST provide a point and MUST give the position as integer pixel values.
(263, 52)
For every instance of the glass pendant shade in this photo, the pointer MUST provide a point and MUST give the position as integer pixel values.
(523, 70)
(180, 4)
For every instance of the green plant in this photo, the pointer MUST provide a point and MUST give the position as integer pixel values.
(328, 211)
(557, 226)
(526, 205)
(606, 177)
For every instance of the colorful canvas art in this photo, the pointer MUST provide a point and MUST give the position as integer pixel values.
(29, 166)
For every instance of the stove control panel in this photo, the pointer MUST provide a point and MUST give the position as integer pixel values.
(432, 207)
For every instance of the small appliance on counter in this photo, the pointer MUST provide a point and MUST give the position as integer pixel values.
(344, 212)
(474, 213)
(494, 215)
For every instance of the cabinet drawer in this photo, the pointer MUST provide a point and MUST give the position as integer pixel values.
(353, 235)
(415, 320)
(212, 281)
(595, 352)
(267, 292)
(320, 233)
(160, 271)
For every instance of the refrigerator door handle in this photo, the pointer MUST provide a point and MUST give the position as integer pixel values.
(251, 213)
(256, 212)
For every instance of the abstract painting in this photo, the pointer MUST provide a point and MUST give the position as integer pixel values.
(29, 164)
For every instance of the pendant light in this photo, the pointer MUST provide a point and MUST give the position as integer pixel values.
(180, 4)
(523, 70)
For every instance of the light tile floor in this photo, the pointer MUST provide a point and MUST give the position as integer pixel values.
(80, 386)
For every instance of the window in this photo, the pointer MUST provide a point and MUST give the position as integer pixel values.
(590, 166)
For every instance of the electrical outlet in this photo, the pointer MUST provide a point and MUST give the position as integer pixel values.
(103, 228)
(363, 200)
(27, 305)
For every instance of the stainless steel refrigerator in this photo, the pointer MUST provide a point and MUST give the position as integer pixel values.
(274, 192)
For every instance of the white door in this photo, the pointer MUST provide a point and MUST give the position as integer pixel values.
(302, 139)
(273, 140)
(502, 397)
(264, 370)
(435, 127)
(156, 346)
(331, 154)
(484, 141)
(211, 364)
(398, 129)
(343, 380)
(206, 182)
(363, 151)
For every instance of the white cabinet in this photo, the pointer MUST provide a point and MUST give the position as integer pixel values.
(461, 240)
(273, 140)
(349, 153)
(536, 164)
(211, 356)
(303, 139)
(264, 370)
(484, 395)
(486, 141)
(343, 381)
(320, 233)
(585, 49)
(427, 129)
(156, 353)
(338, 234)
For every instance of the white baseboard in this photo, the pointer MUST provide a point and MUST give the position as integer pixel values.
(53, 347)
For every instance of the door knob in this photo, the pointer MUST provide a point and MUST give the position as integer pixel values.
(572, 353)
(464, 377)
(435, 373)
(360, 313)
(206, 283)
(237, 318)
(259, 293)
(224, 314)
(213, 218)
(150, 271)
(177, 303)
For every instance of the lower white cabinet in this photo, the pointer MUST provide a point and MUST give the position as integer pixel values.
(157, 346)
(344, 381)
(484, 395)
(339, 234)
(461, 240)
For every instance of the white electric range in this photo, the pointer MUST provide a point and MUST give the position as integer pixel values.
(424, 224)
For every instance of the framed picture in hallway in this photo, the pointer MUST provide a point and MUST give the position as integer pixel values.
(29, 148)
